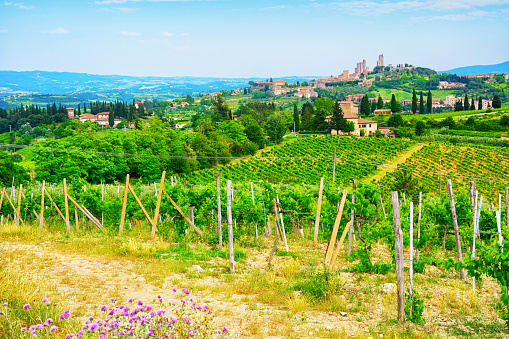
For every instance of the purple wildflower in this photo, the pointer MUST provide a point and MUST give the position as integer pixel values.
(225, 330)
(53, 328)
(26, 307)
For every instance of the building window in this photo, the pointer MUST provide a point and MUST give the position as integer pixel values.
(369, 125)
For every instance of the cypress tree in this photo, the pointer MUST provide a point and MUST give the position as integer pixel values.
(111, 118)
(79, 109)
(479, 104)
(466, 104)
(296, 118)
(497, 103)
(373, 106)
(458, 106)
(472, 105)
(380, 103)
(394, 105)
(84, 107)
(429, 103)
(365, 106)
(338, 121)
(421, 104)
(307, 116)
(414, 102)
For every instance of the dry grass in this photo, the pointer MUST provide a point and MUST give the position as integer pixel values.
(254, 303)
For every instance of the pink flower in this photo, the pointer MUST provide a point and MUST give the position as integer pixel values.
(26, 307)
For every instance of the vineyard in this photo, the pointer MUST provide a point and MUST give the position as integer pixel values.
(306, 160)
(276, 236)
(487, 166)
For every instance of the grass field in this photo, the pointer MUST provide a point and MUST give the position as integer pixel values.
(290, 299)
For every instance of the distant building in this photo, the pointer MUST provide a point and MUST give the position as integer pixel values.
(382, 111)
(137, 104)
(101, 118)
(380, 61)
(70, 113)
(368, 126)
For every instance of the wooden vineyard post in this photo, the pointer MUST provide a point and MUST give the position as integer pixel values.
(340, 244)
(352, 217)
(230, 228)
(282, 223)
(440, 174)
(334, 166)
(398, 238)
(507, 206)
(124, 206)
(455, 225)
(19, 201)
(158, 205)
(318, 209)
(13, 207)
(256, 223)
(419, 227)
(474, 234)
(332, 241)
(219, 230)
(411, 268)
(183, 215)
(41, 215)
(66, 202)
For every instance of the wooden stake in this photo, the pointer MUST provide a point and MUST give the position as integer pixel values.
(332, 241)
(41, 215)
(455, 225)
(158, 205)
(419, 227)
(19, 202)
(340, 244)
(140, 204)
(230, 229)
(352, 217)
(334, 166)
(256, 223)
(282, 222)
(318, 209)
(66, 202)
(13, 207)
(54, 204)
(398, 238)
(87, 213)
(411, 268)
(506, 206)
(183, 215)
(219, 230)
(124, 206)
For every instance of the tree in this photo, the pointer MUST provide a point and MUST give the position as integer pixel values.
(395, 120)
(466, 104)
(394, 106)
(479, 104)
(338, 122)
(111, 118)
(497, 103)
(9, 169)
(420, 127)
(275, 129)
(308, 113)
(429, 103)
(365, 106)
(319, 121)
(349, 127)
(414, 102)
(421, 105)
(373, 106)
(296, 117)
(472, 105)
(458, 106)
(220, 108)
(380, 103)
(504, 120)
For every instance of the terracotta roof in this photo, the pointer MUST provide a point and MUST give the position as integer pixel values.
(365, 121)
(88, 116)
(350, 116)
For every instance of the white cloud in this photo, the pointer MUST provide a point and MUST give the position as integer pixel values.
(59, 30)
(120, 9)
(19, 5)
(130, 33)
(168, 34)
(453, 17)
(370, 8)
(3, 31)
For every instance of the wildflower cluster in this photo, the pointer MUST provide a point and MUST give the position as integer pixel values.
(184, 318)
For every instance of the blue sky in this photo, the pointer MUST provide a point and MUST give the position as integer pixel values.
(244, 38)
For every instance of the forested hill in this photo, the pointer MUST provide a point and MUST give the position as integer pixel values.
(480, 69)
(64, 83)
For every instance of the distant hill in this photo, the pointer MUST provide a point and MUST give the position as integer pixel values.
(480, 69)
(123, 87)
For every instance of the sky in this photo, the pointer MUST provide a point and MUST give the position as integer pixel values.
(245, 38)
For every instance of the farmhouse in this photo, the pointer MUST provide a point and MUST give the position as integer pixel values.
(368, 126)
(101, 118)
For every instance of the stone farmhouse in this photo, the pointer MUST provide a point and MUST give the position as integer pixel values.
(101, 118)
